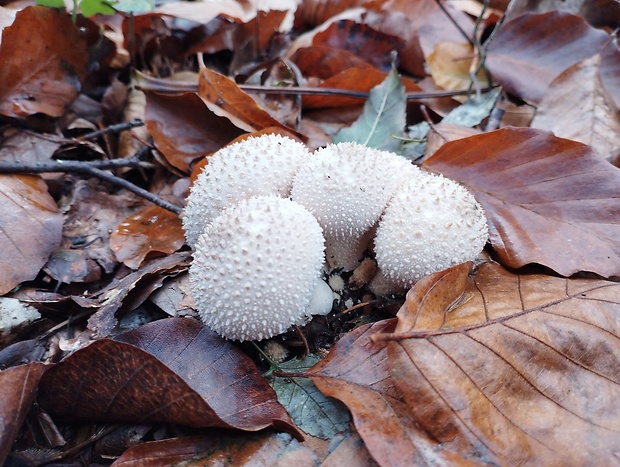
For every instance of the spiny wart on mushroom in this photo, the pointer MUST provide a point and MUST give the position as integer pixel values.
(257, 269)
(263, 165)
(347, 186)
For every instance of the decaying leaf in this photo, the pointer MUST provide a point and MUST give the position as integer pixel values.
(548, 200)
(174, 370)
(382, 119)
(529, 51)
(31, 228)
(42, 63)
(356, 372)
(19, 388)
(151, 230)
(576, 106)
(184, 129)
(314, 413)
(515, 372)
(450, 65)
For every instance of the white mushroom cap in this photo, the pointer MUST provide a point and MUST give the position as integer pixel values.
(347, 186)
(256, 268)
(263, 165)
(431, 224)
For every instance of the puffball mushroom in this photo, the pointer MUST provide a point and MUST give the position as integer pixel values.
(347, 186)
(257, 268)
(263, 165)
(431, 224)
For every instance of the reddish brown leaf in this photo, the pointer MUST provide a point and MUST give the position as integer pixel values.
(548, 200)
(19, 387)
(325, 62)
(315, 12)
(174, 370)
(531, 50)
(366, 43)
(42, 62)
(151, 230)
(516, 371)
(31, 228)
(356, 372)
(184, 129)
(225, 94)
(251, 450)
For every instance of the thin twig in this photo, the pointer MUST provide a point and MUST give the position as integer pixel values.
(116, 128)
(96, 169)
(172, 87)
(453, 21)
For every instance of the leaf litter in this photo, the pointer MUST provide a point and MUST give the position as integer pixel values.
(498, 364)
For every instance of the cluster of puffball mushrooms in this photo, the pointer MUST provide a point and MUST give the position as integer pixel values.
(267, 219)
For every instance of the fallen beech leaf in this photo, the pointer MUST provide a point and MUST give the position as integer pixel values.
(260, 449)
(609, 71)
(529, 51)
(31, 228)
(151, 230)
(576, 106)
(548, 200)
(325, 62)
(383, 117)
(42, 71)
(356, 372)
(366, 43)
(222, 92)
(449, 65)
(312, 13)
(184, 129)
(513, 374)
(174, 370)
(19, 387)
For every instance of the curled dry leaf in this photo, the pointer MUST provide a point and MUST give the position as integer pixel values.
(260, 449)
(529, 51)
(151, 230)
(515, 372)
(222, 92)
(184, 129)
(548, 200)
(174, 370)
(42, 62)
(450, 65)
(31, 228)
(19, 388)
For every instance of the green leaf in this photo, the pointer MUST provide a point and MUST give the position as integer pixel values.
(383, 117)
(93, 7)
(313, 412)
(135, 6)
(51, 3)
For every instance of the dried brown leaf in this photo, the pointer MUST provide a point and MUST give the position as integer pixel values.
(517, 370)
(151, 230)
(19, 388)
(222, 92)
(576, 106)
(184, 129)
(529, 51)
(548, 200)
(356, 371)
(42, 62)
(31, 228)
(174, 370)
